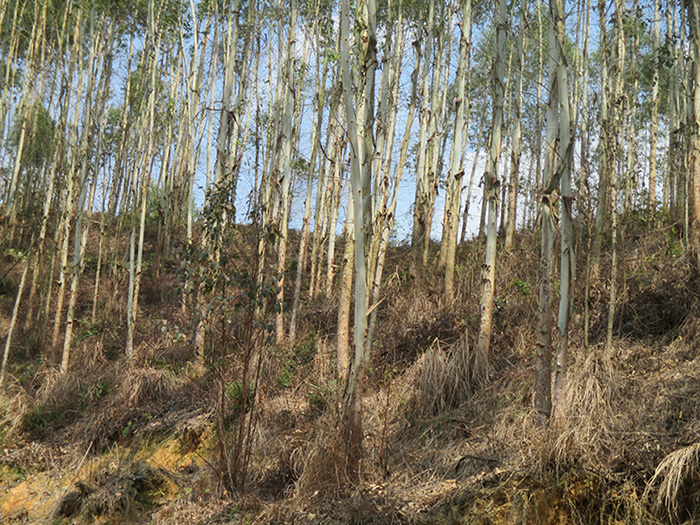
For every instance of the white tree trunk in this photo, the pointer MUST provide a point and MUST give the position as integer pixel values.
(491, 191)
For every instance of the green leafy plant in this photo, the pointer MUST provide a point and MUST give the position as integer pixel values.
(90, 328)
(41, 416)
(523, 287)
(234, 292)
(675, 248)
(294, 359)
(234, 392)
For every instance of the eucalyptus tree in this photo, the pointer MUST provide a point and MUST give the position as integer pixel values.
(360, 123)
(140, 177)
(674, 148)
(693, 14)
(322, 67)
(654, 131)
(226, 135)
(437, 136)
(675, 186)
(634, 26)
(68, 205)
(491, 196)
(89, 148)
(456, 171)
(282, 174)
(565, 158)
(606, 163)
(547, 220)
(539, 123)
(193, 117)
(516, 122)
(612, 147)
(388, 179)
(583, 124)
(420, 236)
(558, 171)
(189, 153)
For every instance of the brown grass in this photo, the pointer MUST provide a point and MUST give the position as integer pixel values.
(15, 403)
(434, 437)
(677, 477)
(584, 432)
(443, 379)
(121, 490)
(138, 390)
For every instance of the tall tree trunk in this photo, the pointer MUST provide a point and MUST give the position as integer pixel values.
(558, 165)
(540, 179)
(420, 234)
(517, 129)
(312, 175)
(69, 206)
(387, 210)
(605, 161)
(284, 171)
(543, 354)
(437, 138)
(140, 187)
(612, 148)
(456, 158)
(87, 190)
(629, 122)
(491, 200)
(345, 296)
(361, 159)
(694, 161)
(565, 154)
(654, 132)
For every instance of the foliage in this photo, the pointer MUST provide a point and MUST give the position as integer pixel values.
(295, 359)
(675, 248)
(40, 130)
(522, 286)
(234, 295)
(42, 416)
(235, 394)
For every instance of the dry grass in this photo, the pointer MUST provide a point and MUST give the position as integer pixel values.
(677, 477)
(137, 391)
(433, 435)
(584, 432)
(121, 490)
(443, 379)
(15, 403)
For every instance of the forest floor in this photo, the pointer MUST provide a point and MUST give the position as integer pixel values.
(110, 442)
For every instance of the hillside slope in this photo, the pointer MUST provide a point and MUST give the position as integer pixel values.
(149, 442)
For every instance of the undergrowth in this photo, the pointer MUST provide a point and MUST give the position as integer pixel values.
(443, 444)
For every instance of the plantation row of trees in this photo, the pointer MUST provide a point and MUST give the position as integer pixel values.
(124, 117)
